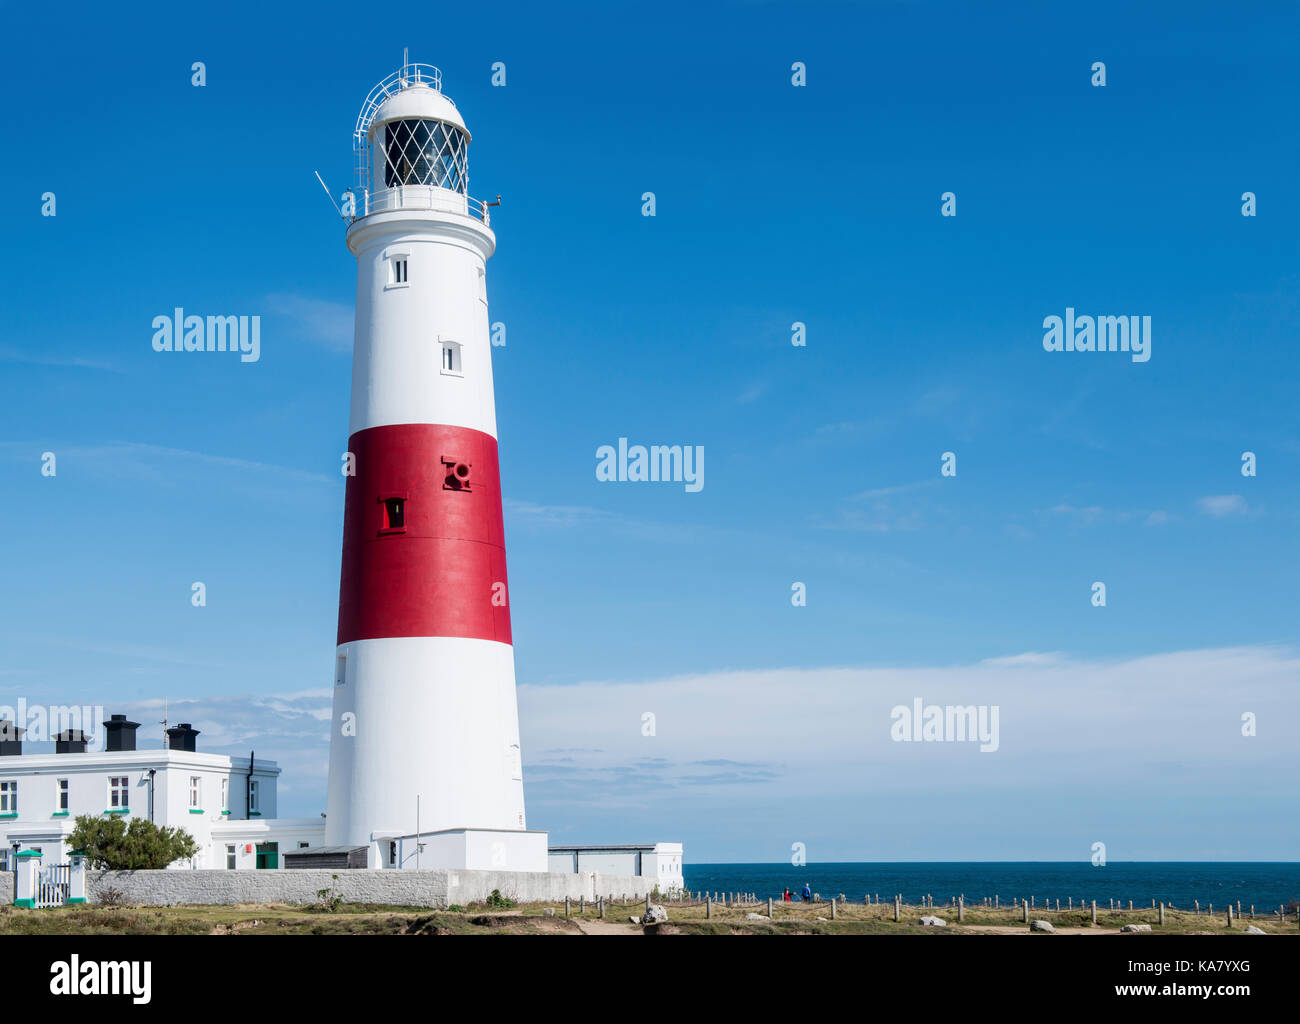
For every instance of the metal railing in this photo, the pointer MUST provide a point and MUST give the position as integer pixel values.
(422, 197)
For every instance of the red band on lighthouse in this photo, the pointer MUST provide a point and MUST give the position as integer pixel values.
(423, 538)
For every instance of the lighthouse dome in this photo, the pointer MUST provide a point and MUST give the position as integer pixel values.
(420, 102)
(409, 136)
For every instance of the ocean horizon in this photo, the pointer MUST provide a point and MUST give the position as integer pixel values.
(1265, 884)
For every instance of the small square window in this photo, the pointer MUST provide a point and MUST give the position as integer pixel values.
(451, 358)
(398, 270)
(392, 517)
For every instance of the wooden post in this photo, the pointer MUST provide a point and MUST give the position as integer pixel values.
(1024, 911)
(961, 909)
(1130, 904)
(832, 908)
(647, 903)
(769, 906)
(1058, 906)
(708, 906)
(582, 904)
(1229, 915)
(1071, 901)
(898, 908)
(566, 906)
(1162, 915)
(996, 898)
(1094, 911)
(1198, 905)
(600, 905)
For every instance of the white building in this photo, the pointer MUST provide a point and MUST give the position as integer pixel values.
(228, 808)
(662, 861)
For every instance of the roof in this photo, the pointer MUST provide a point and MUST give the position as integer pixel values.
(581, 847)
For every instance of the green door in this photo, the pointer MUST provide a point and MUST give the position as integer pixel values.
(268, 855)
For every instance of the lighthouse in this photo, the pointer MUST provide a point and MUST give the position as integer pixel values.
(425, 767)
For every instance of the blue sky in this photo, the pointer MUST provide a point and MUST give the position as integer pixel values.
(775, 204)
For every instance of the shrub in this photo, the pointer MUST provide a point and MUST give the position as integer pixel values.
(141, 846)
(110, 897)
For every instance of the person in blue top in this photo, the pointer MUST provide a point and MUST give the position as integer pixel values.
(807, 892)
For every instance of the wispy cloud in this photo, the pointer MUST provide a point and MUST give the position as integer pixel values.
(133, 460)
(902, 507)
(531, 513)
(12, 355)
(1222, 506)
(326, 323)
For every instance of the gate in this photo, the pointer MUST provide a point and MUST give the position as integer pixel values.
(52, 885)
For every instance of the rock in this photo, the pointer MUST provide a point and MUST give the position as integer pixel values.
(1250, 929)
(634, 919)
(1042, 926)
(657, 914)
(548, 912)
(930, 921)
(1136, 928)
(756, 917)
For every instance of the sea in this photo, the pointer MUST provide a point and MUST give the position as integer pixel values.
(1178, 884)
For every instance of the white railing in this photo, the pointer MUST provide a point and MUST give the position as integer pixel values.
(422, 197)
(409, 75)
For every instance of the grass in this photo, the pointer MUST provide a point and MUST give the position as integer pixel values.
(530, 919)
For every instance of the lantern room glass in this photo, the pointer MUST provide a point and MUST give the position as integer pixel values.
(420, 152)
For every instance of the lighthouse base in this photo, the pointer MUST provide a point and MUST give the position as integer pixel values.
(468, 849)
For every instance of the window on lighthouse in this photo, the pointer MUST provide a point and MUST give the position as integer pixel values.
(394, 513)
(399, 271)
(451, 358)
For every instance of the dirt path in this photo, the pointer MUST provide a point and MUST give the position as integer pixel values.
(599, 927)
(1002, 929)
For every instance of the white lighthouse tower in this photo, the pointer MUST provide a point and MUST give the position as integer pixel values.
(424, 752)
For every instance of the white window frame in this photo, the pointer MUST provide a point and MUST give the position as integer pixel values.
(119, 786)
(446, 346)
(393, 258)
(9, 796)
(62, 798)
(196, 792)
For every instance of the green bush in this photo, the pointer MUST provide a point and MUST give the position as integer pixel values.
(141, 846)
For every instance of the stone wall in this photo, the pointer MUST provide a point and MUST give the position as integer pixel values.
(404, 888)
(7, 892)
